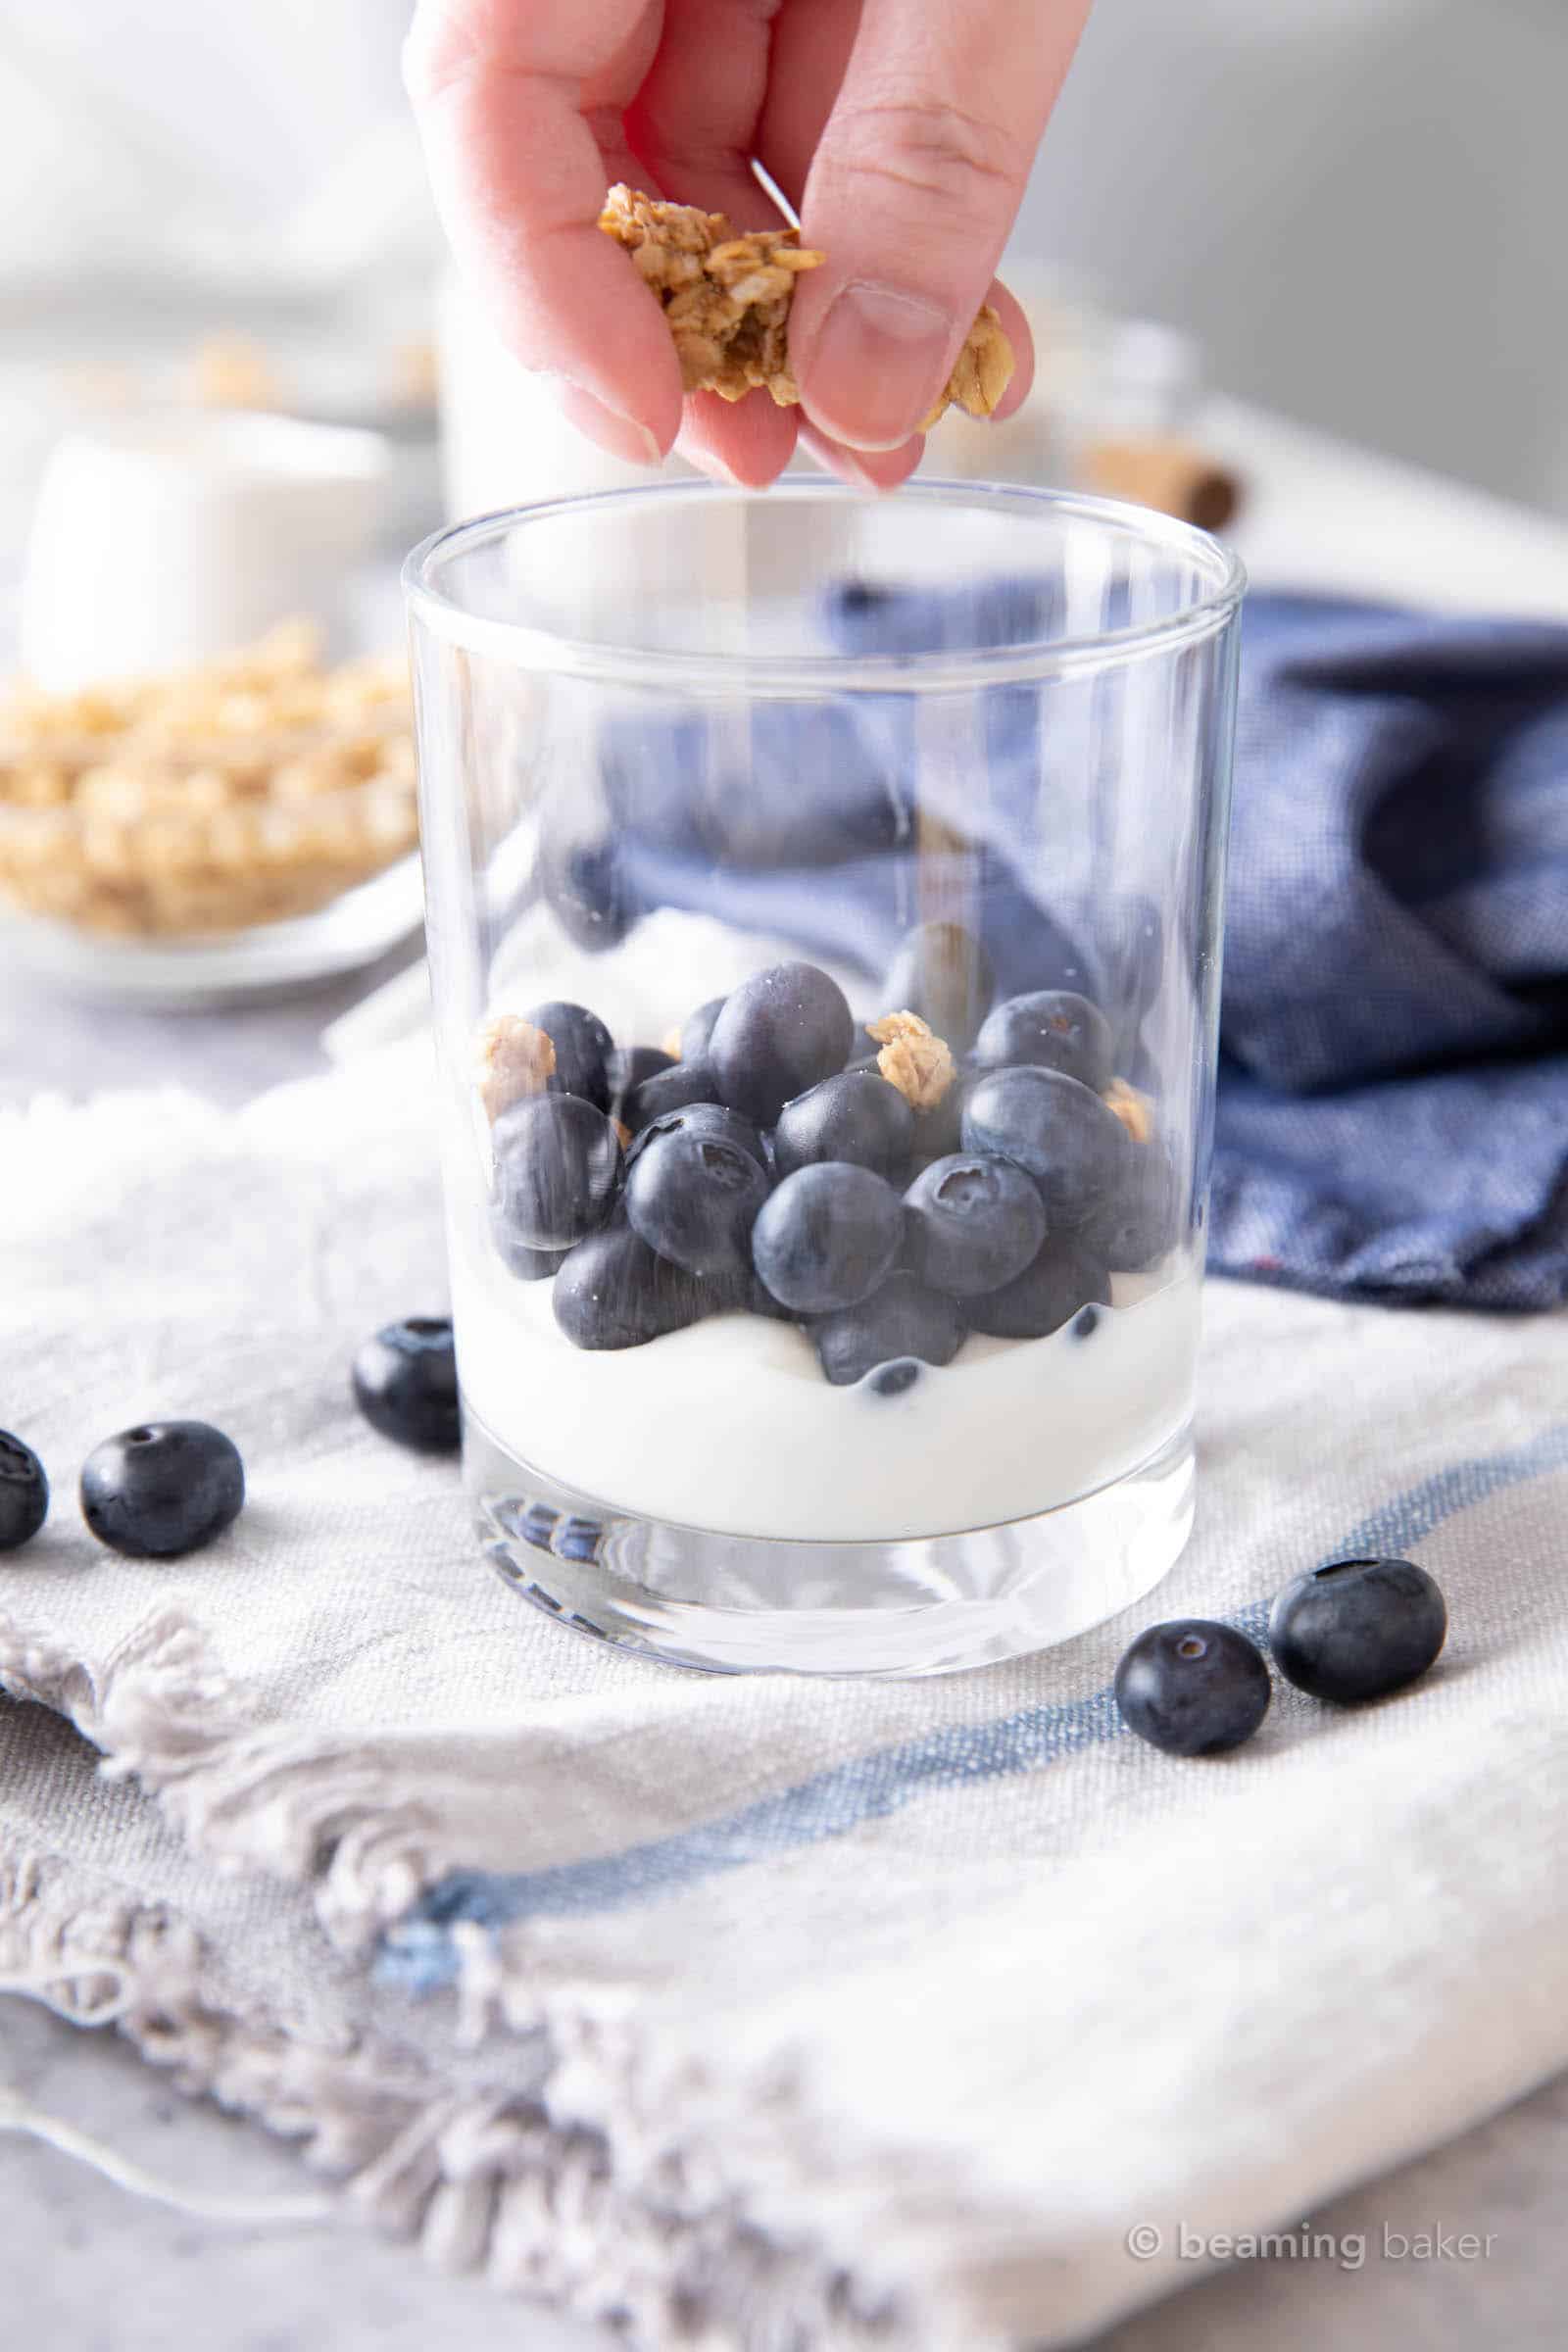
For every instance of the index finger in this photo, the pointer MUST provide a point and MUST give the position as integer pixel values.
(912, 193)
(508, 101)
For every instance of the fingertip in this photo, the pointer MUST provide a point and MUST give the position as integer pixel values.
(748, 442)
(878, 470)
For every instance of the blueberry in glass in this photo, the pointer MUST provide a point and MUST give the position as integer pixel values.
(854, 1115)
(626, 1068)
(614, 1291)
(1054, 1127)
(1054, 1029)
(1140, 1222)
(902, 1319)
(660, 1092)
(557, 1170)
(973, 1222)
(827, 1237)
(698, 1027)
(777, 1034)
(1063, 1277)
(583, 1048)
(714, 1119)
(584, 874)
(693, 1196)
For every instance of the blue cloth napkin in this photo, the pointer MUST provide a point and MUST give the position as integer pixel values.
(1393, 1113)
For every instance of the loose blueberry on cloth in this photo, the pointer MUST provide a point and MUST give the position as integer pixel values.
(1393, 1116)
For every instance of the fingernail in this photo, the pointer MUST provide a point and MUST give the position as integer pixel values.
(875, 366)
(620, 436)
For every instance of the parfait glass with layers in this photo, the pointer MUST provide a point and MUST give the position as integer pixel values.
(825, 901)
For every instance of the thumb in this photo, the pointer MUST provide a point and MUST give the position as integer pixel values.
(911, 195)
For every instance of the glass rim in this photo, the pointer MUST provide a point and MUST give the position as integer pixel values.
(948, 671)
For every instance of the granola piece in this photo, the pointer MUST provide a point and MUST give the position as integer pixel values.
(1134, 1109)
(726, 297)
(914, 1059)
(981, 372)
(513, 1060)
(727, 300)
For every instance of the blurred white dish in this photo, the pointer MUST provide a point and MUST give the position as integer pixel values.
(164, 537)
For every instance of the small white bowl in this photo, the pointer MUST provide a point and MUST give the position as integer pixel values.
(168, 536)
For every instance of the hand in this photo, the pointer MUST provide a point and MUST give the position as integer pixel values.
(902, 131)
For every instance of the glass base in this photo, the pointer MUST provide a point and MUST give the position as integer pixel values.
(743, 1605)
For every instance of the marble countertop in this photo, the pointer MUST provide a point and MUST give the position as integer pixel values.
(107, 2272)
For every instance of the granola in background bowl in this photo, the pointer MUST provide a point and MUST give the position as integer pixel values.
(210, 811)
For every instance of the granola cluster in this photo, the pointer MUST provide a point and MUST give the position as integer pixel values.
(727, 300)
(512, 1060)
(1134, 1109)
(913, 1060)
(243, 791)
(726, 297)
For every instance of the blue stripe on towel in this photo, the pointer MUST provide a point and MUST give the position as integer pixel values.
(419, 1952)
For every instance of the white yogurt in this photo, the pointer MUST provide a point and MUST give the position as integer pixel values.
(730, 1425)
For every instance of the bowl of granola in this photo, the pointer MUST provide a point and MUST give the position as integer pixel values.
(245, 822)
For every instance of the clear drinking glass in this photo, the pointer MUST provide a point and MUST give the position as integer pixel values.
(897, 1379)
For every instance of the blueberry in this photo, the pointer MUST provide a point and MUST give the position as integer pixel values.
(614, 1291)
(693, 1194)
(939, 1131)
(627, 1066)
(1357, 1629)
(557, 1165)
(1141, 1221)
(1192, 1687)
(1052, 1029)
(583, 872)
(577, 1538)
(1055, 1128)
(24, 1493)
(583, 1049)
(972, 1223)
(761, 1302)
(827, 1237)
(536, 1525)
(712, 1119)
(1064, 1277)
(901, 1319)
(1085, 1325)
(777, 1034)
(943, 975)
(895, 1379)
(698, 1027)
(854, 1115)
(663, 1090)
(528, 1265)
(162, 1488)
(406, 1384)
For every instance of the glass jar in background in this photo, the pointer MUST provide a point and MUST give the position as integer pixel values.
(823, 909)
